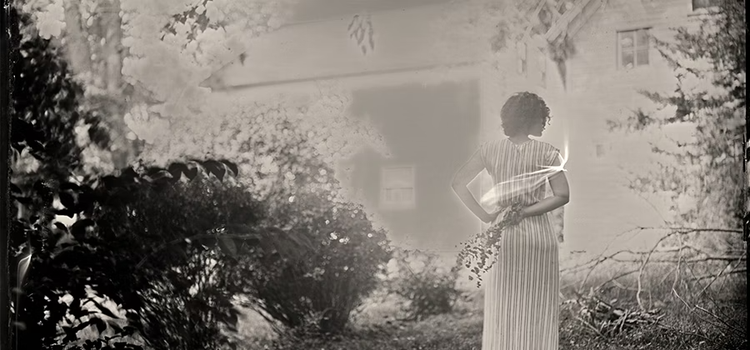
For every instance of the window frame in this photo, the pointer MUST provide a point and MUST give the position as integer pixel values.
(402, 204)
(702, 9)
(618, 38)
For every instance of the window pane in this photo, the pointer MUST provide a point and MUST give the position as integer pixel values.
(626, 40)
(398, 186)
(627, 60)
(642, 39)
(642, 56)
(699, 4)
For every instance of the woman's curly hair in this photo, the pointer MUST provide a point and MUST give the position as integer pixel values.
(521, 110)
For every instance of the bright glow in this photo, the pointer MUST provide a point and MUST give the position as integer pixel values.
(524, 183)
(23, 266)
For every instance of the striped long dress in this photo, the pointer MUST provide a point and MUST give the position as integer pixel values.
(521, 290)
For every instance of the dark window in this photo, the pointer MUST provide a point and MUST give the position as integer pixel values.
(702, 4)
(633, 46)
(398, 187)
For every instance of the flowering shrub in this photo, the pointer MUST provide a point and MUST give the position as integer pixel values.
(427, 287)
(316, 291)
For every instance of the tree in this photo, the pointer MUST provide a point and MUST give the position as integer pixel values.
(702, 176)
(189, 251)
(315, 293)
(110, 228)
(709, 66)
(496, 27)
(88, 33)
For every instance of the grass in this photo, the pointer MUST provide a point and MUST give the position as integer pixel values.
(376, 326)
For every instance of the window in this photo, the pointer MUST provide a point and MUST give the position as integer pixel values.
(633, 46)
(397, 187)
(702, 4)
(521, 49)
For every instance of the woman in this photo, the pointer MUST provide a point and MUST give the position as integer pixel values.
(521, 290)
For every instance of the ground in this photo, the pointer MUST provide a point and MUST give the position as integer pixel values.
(375, 328)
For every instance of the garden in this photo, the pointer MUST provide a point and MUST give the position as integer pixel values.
(145, 217)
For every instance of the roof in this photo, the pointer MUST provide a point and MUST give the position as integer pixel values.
(321, 10)
(547, 18)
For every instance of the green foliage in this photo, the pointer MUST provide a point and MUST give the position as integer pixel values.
(130, 241)
(427, 287)
(44, 128)
(157, 234)
(317, 291)
(155, 256)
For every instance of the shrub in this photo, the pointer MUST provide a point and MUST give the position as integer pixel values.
(427, 287)
(317, 291)
(143, 239)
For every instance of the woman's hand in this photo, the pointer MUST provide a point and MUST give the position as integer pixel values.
(515, 215)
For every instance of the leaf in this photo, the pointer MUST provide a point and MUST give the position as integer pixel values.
(233, 167)
(177, 169)
(111, 181)
(75, 308)
(69, 186)
(106, 311)
(191, 172)
(70, 334)
(36, 145)
(23, 200)
(215, 168)
(61, 226)
(65, 212)
(116, 327)
(128, 174)
(161, 175)
(231, 320)
(227, 245)
(129, 330)
(67, 200)
(14, 188)
(101, 326)
(79, 228)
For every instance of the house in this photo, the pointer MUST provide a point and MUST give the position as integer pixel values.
(435, 97)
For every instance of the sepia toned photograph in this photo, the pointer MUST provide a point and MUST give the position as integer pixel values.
(374, 175)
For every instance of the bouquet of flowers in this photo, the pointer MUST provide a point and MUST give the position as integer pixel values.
(480, 252)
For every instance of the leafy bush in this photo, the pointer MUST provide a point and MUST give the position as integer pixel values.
(427, 287)
(155, 256)
(136, 262)
(316, 292)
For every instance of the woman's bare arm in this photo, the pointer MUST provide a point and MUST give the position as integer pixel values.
(560, 195)
(465, 174)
